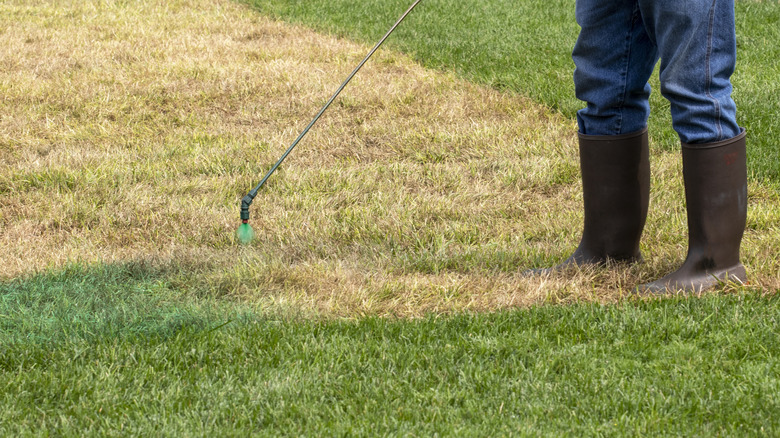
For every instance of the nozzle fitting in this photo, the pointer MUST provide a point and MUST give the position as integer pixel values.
(245, 203)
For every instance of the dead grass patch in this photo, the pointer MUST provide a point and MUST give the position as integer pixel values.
(130, 130)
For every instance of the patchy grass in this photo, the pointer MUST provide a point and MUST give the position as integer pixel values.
(130, 131)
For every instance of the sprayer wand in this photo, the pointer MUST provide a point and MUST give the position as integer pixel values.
(245, 233)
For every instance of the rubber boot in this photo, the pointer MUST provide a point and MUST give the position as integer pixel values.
(616, 189)
(715, 176)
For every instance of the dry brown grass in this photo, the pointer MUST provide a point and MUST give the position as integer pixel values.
(130, 130)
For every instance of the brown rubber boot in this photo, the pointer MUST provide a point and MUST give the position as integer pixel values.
(616, 191)
(715, 176)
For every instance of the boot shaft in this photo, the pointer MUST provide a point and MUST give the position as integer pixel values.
(715, 176)
(616, 189)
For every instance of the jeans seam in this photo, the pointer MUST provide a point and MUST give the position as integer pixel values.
(624, 73)
(708, 66)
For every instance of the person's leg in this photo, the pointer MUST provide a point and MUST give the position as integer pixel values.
(614, 58)
(696, 41)
(697, 44)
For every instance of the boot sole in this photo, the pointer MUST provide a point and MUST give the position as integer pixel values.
(701, 283)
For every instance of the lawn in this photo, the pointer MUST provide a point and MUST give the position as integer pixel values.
(120, 351)
(383, 294)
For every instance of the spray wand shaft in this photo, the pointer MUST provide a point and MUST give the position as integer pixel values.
(247, 200)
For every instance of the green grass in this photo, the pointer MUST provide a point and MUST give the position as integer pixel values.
(526, 46)
(116, 350)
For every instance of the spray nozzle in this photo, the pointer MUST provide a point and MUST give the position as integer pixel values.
(245, 203)
(245, 233)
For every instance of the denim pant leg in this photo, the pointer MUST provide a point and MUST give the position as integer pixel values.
(696, 41)
(621, 41)
(614, 58)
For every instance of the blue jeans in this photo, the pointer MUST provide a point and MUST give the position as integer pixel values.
(618, 47)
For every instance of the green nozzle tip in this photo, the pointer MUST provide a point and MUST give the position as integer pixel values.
(245, 233)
